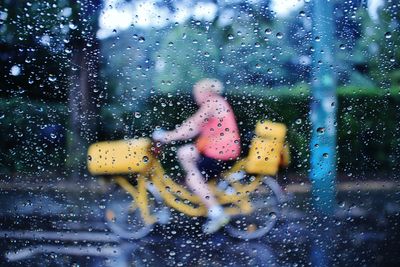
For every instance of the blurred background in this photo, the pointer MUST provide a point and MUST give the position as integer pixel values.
(77, 72)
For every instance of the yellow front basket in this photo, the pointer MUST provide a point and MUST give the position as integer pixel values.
(120, 157)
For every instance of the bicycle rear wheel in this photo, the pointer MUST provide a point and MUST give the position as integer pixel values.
(265, 201)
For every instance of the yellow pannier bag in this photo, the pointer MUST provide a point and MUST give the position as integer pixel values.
(120, 157)
(265, 154)
(269, 129)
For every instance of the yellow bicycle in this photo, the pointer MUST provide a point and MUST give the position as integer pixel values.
(247, 191)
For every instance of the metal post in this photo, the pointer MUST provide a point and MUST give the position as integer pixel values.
(323, 137)
(323, 109)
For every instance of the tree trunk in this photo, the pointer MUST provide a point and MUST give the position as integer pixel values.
(83, 91)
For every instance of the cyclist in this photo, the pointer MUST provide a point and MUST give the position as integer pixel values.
(216, 147)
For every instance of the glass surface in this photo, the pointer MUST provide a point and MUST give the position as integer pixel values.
(307, 168)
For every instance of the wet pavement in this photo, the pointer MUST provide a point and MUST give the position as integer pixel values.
(45, 227)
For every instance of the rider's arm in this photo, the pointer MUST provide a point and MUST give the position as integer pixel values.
(190, 127)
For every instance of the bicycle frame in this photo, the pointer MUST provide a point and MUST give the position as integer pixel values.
(179, 198)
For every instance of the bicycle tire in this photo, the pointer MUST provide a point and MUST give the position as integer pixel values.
(124, 219)
(266, 203)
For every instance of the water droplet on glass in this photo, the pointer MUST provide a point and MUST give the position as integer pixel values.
(15, 70)
(279, 35)
(321, 130)
(72, 26)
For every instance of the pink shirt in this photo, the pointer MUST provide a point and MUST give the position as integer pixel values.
(219, 137)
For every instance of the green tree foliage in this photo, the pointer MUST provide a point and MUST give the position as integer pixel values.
(48, 56)
(251, 50)
(187, 53)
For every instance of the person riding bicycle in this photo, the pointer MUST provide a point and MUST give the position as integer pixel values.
(216, 147)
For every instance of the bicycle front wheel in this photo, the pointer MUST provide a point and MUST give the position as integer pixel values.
(124, 218)
(265, 201)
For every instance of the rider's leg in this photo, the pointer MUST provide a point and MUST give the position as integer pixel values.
(188, 157)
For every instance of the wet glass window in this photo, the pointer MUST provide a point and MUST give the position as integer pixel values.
(199, 133)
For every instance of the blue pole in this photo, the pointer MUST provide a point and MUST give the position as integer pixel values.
(323, 137)
(323, 110)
